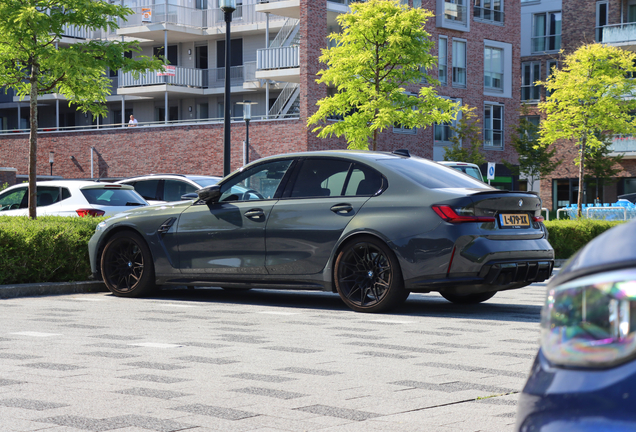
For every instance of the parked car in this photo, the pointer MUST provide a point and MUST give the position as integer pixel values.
(371, 226)
(631, 197)
(465, 167)
(70, 198)
(162, 188)
(584, 375)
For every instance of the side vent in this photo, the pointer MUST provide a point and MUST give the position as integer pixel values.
(165, 227)
(402, 152)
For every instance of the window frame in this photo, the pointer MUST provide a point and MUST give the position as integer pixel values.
(548, 72)
(547, 35)
(533, 79)
(455, 83)
(446, 126)
(442, 66)
(480, 12)
(598, 28)
(501, 130)
(501, 72)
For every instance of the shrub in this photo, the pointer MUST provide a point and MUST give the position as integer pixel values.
(568, 236)
(48, 249)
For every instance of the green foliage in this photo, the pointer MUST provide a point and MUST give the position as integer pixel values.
(382, 49)
(600, 165)
(49, 249)
(568, 236)
(466, 144)
(3, 186)
(589, 96)
(536, 160)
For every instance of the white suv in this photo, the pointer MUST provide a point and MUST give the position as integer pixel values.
(465, 167)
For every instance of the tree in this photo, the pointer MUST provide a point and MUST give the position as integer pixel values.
(590, 95)
(466, 131)
(600, 164)
(383, 48)
(33, 63)
(535, 161)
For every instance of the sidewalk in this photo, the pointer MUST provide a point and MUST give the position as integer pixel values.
(50, 288)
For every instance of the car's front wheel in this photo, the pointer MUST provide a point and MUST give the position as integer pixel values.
(469, 298)
(368, 276)
(127, 266)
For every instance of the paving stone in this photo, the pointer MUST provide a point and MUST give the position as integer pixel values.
(452, 387)
(399, 347)
(213, 411)
(204, 345)
(488, 371)
(154, 378)
(29, 404)
(53, 366)
(154, 393)
(236, 329)
(64, 310)
(110, 354)
(18, 356)
(210, 360)
(523, 341)
(243, 339)
(110, 345)
(432, 333)
(278, 394)
(342, 413)
(308, 371)
(261, 377)
(236, 323)
(85, 423)
(166, 320)
(386, 355)
(517, 355)
(5, 339)
(157, 366)
(292, 349)
(83, 326)
(116, 337)
(8, 382)
(359, 336)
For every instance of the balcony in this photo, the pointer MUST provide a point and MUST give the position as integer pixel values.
(278, 64)
(619, 34)
(453, 15)
(624, 145)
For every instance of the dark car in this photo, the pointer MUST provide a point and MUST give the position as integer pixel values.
(162, 188)
(371, 226)
(584, 376)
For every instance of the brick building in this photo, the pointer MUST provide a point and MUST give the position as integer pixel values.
(275, 49)
(548, 26)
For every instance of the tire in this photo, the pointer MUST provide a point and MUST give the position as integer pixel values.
(368, 276)
(127, 266)
(469, 298)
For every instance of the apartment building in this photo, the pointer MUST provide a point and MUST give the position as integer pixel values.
(275, 46)
(548, 26)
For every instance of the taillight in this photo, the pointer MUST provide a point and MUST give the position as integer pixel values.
(449, 215)
(537, 219)
(90, 212)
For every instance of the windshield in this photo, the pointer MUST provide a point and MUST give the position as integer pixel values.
(471, 171)
(432, 175)
(113, 197)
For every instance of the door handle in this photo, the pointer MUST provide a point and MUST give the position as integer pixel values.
(342, 208)
(254, 213)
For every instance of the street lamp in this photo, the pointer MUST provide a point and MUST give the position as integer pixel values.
(227, 6)
(247, 116)
(51, 155)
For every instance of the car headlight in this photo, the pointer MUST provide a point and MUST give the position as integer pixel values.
(591, 321)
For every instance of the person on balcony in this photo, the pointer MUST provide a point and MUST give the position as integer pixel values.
(132, 122)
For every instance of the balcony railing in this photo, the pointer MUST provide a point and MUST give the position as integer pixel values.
(618, 33)
(624, 144)
(277, 58)
(77, 32)
(455, 12)
(191, 17)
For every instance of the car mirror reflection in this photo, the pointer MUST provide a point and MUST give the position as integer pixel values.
(209, 194)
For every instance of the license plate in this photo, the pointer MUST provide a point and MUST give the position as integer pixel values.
(514, 220)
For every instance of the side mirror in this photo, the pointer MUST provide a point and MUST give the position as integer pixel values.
(210, 194)
(189, 196)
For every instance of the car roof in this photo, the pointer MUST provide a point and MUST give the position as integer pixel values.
(453, 163)
(192, 177)
(80, 184)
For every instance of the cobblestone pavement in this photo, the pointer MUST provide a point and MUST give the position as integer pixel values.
(213, 360)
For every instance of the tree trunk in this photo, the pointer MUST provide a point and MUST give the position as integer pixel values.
(375, 139)
(579, 212)
(33, 142)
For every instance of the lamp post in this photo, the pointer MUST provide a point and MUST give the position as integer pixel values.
(247, 116)
(51, 155)
(227, 6)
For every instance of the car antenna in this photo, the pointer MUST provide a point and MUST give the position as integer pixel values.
(402, 152)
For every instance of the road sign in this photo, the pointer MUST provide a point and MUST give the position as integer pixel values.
(491, 171)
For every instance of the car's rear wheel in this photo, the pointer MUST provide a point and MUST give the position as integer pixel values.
(368, 276)
(469, 298)
(127, 266)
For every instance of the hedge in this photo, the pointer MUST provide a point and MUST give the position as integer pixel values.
(568, 236)
(48, 249)
(55, 249)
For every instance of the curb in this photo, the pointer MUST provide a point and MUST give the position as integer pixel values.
(51, 288)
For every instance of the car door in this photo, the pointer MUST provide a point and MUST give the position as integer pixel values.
(228, 236)
(14, 202)
(306, 223)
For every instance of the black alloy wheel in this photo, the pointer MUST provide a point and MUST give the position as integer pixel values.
(127, 266)
(368, 276)
(469, 298)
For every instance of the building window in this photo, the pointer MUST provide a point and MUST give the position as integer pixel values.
(493, 126)
(601, 19)
(493, 68)
(443, 132)
(549, 66)
(530, 74)
(459, 63)
(417, 4)
(400, 128)
(455, 10)
(489, 10)
(546, 32)
(442, 60)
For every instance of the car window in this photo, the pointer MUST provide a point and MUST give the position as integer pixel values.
(112, 197)
(260, 182)
(11, 200)
(321, 177)
(203, 182)
(47, 195)
(173, 189)
(147, 189)
(432, 175)
(65, 193)
(364, 181)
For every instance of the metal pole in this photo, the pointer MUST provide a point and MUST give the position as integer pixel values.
(123, 110)
(92, 150)
(247, 142)
(57, 114)
(227, 148)
(267, 81)
(165, 61)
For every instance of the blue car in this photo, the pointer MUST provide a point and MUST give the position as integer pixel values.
(584, 376)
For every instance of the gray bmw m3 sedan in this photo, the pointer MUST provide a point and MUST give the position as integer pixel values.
(371, 226)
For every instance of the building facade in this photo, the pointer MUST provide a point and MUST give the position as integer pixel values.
(274, 48)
